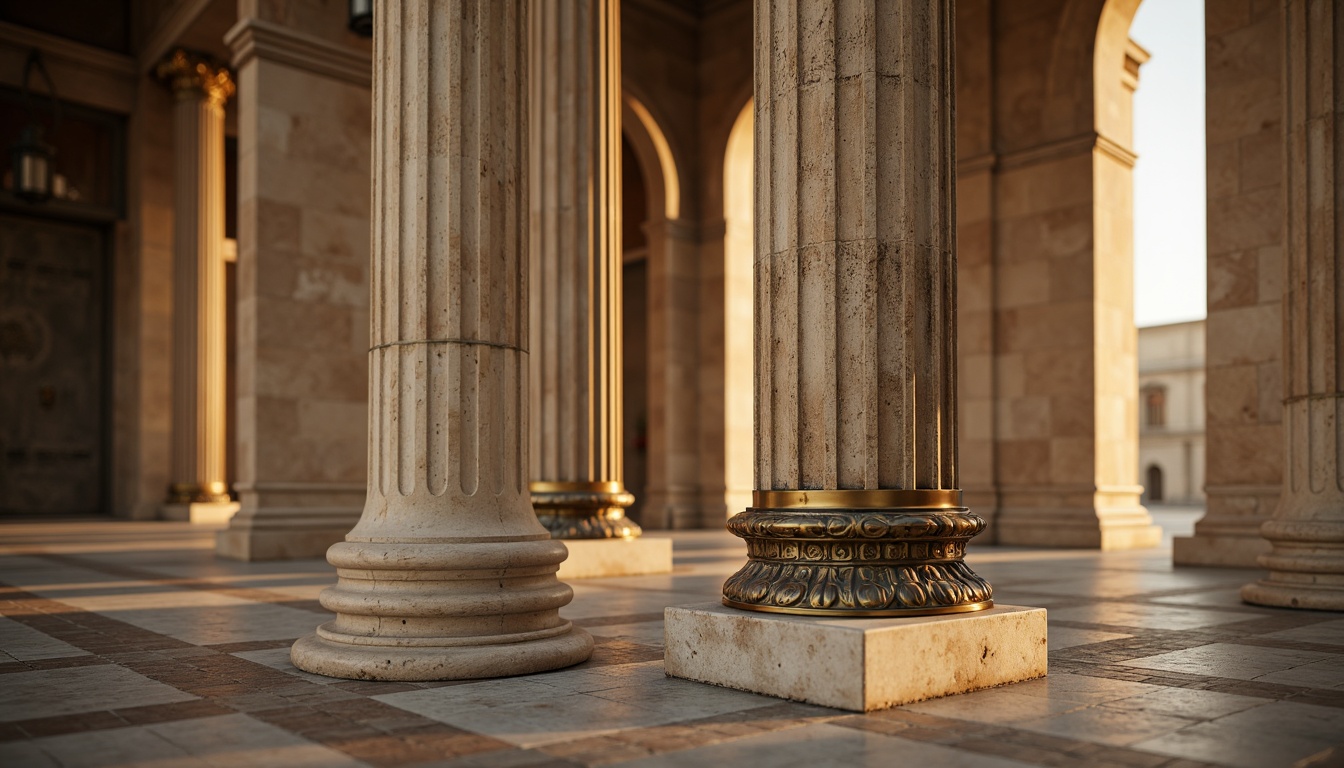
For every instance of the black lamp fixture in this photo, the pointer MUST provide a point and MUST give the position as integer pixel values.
(33, 157)
(361, 17)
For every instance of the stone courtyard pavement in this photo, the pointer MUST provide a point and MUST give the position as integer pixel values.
(130, 644)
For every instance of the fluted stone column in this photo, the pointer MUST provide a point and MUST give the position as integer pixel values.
(200, 87)
(448, 574)
(577, 473)
(857, 509)
(1306, 562)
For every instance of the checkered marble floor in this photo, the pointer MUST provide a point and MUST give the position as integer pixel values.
(125, 643)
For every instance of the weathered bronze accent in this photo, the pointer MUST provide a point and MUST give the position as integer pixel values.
(583, 510)
(857, 553)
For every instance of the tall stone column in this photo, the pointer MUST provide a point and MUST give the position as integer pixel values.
(200, 86)
(1306, 562)
(448, 574)
(577, 486)
(857, 510)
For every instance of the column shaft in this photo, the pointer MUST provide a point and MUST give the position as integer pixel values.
(857, 509)
(575, 211)
(1306, 562)
(201, 88)
(448, 573)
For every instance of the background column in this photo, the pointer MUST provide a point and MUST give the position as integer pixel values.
(448, 574)
(1306, 562)
(857, 508)
(200, 87)
(575, 356)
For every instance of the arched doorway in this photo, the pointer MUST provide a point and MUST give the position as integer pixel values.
(1154, 484)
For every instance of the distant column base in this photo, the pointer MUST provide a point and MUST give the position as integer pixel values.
(1219, 550)
(594, 558)
(855, 664)
(1107, 518)
(200, 513)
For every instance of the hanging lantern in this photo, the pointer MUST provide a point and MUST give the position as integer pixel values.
(32, 157)
(361, 17)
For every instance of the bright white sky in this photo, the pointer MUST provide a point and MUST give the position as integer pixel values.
(1169, 235)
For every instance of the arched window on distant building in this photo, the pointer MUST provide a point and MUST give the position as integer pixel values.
(1155, 406)
(1154, 485)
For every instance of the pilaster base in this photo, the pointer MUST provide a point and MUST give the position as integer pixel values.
(200, 513)
(271, 534)
(1081, 529)
(421, 662)
(855, 664)
(593, 558)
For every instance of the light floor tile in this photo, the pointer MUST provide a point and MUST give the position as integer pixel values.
(238, 740)
(23, 643)
(119, 748)
(1188, 703)
(1239, 662)
(996, 705)
(1277, 734)
(1082, 688)
(821, 744)
(1059, 638)
(1324, 633)
(1107, 725)
(1145, 616)
(48, 693)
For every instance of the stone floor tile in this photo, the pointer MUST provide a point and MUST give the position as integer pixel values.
(123, 748)
(278, 658)
(1272, 735)
(1059, 638)
(1144, 616)
(26, 695)
(1107, 725)
(996, 705)
(1240, 662)
(239, 740)
(1323, 633)
(22, 643)
(822, 744)
(1081, 688)
(1187, 703)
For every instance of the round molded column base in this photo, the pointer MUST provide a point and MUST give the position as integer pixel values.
(857, 553)
(421, 663)
(584, 510)
(198, 493)
(1304, 596)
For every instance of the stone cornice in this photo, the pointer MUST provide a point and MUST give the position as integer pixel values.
(254, 38)
(53, 47)
(171, 28)
(1074, 145)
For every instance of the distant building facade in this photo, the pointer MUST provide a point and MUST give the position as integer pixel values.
(1171, 413)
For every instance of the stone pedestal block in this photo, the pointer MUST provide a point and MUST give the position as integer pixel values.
(593, 558)
(855, 664)
(202, 513)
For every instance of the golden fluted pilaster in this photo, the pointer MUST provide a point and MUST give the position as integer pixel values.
(577, 262)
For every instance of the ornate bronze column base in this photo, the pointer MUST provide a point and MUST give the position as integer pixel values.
(584, 510)
(857, 553)
(198, 493)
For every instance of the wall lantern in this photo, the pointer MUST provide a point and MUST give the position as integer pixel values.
(33, 157)
(361, 17)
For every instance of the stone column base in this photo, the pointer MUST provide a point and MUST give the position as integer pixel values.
(284, 534)
(199, 512)
(1223, 551)
(592, 558)
(855, 664)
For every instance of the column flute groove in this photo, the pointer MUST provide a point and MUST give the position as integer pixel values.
(857, 510)
(578, 478)
(448, 575)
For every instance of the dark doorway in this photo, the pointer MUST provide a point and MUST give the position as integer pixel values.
(52, 367)
(1155, 483)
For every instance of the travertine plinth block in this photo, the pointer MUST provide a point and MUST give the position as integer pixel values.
(855, 664)
(595, 558)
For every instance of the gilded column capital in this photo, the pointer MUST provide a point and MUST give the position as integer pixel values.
(194, 74)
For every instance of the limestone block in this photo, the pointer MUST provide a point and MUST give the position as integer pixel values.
(594, 558)
(200, 513)
(855, 664)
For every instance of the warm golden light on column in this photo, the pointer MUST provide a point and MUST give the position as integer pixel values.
(576, 259)
(201, 87)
